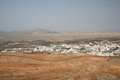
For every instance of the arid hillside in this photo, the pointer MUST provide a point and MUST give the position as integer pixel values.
(19, 66)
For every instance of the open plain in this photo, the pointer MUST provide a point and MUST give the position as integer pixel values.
(60, 36)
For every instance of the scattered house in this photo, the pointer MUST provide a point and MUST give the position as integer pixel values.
(96, 48)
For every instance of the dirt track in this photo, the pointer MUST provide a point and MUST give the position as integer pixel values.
(51, 60)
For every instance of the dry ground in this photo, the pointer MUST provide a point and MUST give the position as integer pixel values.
(80, 68)
(57, 36)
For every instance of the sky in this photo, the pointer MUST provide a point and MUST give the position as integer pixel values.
(92, 15)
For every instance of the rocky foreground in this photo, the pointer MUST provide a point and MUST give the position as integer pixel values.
(21, 66)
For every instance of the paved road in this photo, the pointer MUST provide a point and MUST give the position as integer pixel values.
(50, 60)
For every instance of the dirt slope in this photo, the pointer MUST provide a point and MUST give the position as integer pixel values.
(81, 68)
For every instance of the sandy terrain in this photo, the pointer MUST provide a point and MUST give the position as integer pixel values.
(20, 66)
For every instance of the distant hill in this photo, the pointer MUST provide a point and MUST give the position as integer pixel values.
(2, 31)
(40, 31)
(34, 31)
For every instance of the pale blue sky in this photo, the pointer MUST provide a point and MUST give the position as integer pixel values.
(99, 15)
